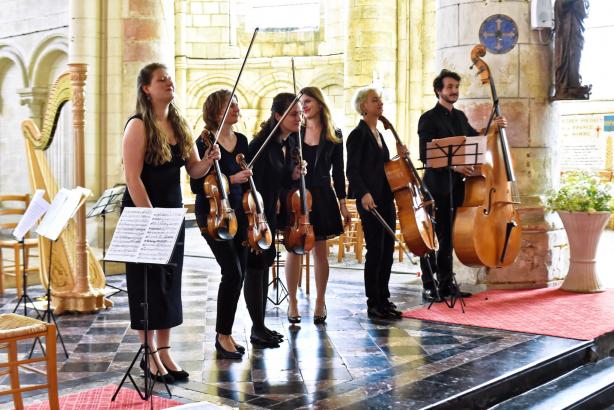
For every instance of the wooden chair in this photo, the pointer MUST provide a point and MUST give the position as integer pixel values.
(14, 328)
(16, 267)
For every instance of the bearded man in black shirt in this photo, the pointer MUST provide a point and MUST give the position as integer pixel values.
(444, 121)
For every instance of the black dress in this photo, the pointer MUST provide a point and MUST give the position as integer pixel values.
(162, 183)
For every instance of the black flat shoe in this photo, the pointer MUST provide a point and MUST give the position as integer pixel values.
(163, 378)
(430, 295)
(225, 353)
(274, 335)
(266, 342)
(240, 349)
(320, 320)
(377, 313)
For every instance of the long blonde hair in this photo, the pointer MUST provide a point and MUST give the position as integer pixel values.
(158, 150)
(325, 116)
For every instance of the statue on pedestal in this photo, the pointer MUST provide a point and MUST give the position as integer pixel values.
(569, 28)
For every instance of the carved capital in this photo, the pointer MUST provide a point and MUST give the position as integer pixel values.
(35, 98)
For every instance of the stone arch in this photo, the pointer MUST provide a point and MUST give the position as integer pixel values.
(9, 53)
(49, 50)
(326, 78)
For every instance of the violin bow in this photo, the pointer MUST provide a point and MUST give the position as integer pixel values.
(234, 88)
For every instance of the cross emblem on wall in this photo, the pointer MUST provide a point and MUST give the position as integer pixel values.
(499, 33)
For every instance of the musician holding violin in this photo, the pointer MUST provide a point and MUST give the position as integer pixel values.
(322, 149)
(444, 121)
(230, 254)
(367, 155)
(273, 172)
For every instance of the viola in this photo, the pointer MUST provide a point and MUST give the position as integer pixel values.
(487, 228)
(259, 235)
(413, 200)
(221, 221)
(298, 235)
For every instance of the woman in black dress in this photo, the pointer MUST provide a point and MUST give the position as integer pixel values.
(273, 172)
(367, 154)
(323, 153)
(156, 144)
(231, 255)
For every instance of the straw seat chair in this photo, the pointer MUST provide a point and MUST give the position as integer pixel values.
(14, 328)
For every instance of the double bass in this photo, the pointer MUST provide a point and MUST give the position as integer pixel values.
(487, 228)
(259, 235)
(413, 201)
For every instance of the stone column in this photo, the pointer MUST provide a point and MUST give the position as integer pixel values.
(35, 98)
(522, 78)
(371, 53)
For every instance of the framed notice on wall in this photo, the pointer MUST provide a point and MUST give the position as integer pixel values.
(586, 142)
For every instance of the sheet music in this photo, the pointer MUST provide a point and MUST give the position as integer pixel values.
(37, 207)
(146, 235)
(62, 208)
(107, 201)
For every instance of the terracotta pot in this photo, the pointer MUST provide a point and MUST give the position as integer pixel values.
(583, 232)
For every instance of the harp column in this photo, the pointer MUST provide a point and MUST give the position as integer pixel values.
(522, 77)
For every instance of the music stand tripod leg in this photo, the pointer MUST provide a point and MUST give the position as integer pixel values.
(276, 282)
(149, 382)
(25, 298)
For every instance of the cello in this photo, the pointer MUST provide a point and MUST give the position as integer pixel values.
(222, 222)
(412, 199)
(487, 228)
(259, 235)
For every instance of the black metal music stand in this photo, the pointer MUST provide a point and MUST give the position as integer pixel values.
(149, 382)
(277, 283)
(451, 152)
(107, 203)
(25, 298)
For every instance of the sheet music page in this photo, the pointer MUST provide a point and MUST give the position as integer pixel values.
(129, 234)
(52, 212)
(74, 199)
(107, 201)
(159, 242)
(38, 206)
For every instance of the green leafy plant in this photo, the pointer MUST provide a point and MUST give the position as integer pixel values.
(581, 192)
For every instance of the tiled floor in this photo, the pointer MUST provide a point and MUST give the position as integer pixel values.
(351, 361)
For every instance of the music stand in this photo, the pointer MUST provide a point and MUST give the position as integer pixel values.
(449, 152)
(277, 282)
(145, 236)
(107, 203)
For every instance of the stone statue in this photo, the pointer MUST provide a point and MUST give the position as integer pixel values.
(569, 27)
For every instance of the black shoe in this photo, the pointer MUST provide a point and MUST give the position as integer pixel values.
(320, 320)
(274, 334)
(378, 313)
(177, 374)
(396, 313)
(263, 341)
(240, 349)
(164, 378)
(430, 295)
(225, 353)
(293, 319)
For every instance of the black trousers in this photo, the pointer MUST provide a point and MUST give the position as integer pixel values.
(441, 261)
(379, 256)
(232, 257)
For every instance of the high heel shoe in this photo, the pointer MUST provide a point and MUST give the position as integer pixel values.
(164, 378)
(320, 320)
(293, 319)
(225, 353)
(177, 374)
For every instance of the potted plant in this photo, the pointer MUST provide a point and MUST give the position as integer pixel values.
(584, 204)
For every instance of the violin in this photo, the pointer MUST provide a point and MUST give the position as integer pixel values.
(259, 234)
(413, 200)
(221, 221)
(298, 235)
(487, 228)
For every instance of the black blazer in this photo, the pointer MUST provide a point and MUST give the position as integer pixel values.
(365, 165)
(328, 155)
(436, 123)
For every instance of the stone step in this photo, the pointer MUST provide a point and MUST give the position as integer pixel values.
(588, 387)
(519, 380)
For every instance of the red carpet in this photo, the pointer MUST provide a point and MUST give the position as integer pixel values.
(100, 398)
(548, 311)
